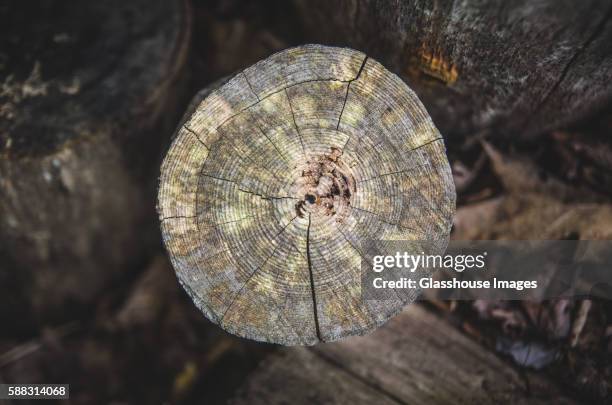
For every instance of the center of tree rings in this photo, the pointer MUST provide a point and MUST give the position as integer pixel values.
(325, 186)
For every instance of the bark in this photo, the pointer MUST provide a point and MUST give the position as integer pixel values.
(85, 98)
(274, 186)
(512, 67)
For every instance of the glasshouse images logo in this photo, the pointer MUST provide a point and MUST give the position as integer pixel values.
(422, 261)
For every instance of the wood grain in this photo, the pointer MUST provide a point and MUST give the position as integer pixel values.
(417, 358)
(274, 184)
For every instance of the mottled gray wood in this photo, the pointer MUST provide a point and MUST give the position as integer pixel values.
(416, 358)
(519, 67)
(273, 185)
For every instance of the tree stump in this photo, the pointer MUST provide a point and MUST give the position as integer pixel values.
(87, 90)
(273, 185)
(517, 68)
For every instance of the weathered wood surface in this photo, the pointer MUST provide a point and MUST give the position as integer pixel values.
(272, 186)
(515, 67)
(84, 109)
(417, 358)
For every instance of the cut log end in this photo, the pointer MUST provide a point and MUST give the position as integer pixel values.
(277, 180)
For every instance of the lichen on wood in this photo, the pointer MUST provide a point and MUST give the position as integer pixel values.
(273, 185)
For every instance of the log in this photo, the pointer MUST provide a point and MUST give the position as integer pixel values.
(417, 358)
(88, 93)
(513, 68)
(275, 184)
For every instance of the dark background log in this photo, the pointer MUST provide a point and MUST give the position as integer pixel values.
(88, 94)
(513, 67)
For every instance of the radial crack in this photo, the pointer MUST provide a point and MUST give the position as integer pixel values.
(391, 173)
(426, 143)
(257, 164)
(265, 197)
(178, 217)
(383, 220)
(365, 59)
(231, 247)
(348, 87)
(272, 143)
(259, 100)
(239, 189)
(338, 295)
(218, 178)
(197, 136)
(295, 123)
(250, 87)
(215, 225)
(312, 283)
